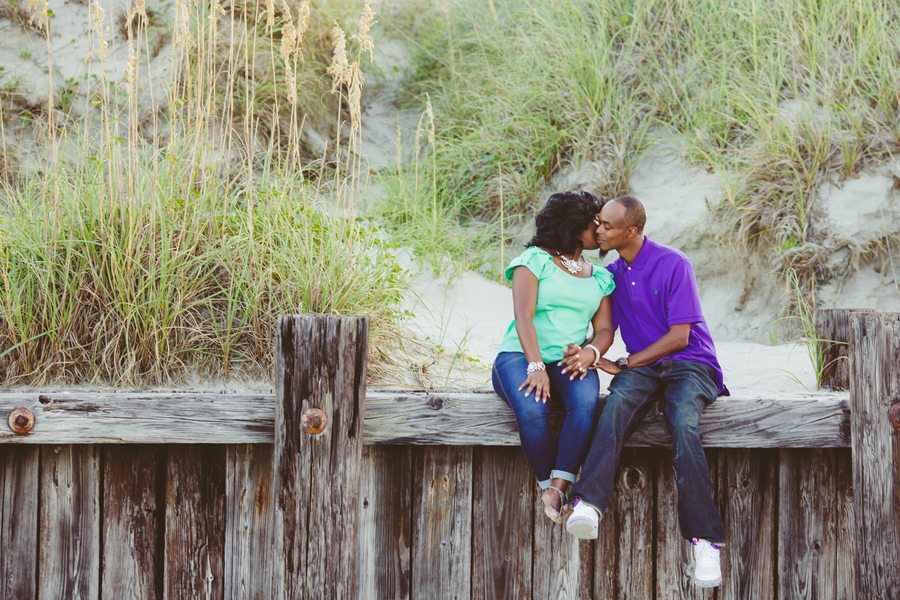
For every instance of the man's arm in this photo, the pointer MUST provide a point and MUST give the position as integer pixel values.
(682, 309)
(674, 340)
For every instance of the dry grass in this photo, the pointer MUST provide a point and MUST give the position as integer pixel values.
(145, 260)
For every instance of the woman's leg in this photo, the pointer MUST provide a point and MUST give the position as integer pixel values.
(508, 374)
(581, 398)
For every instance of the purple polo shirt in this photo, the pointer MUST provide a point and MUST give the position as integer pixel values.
(658, 290)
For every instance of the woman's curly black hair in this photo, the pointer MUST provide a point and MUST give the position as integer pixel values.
(563, 218)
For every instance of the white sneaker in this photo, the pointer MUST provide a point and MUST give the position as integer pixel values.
(584, 520)
(707, 570)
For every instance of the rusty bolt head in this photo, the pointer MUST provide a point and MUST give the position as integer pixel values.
(895, 415)
(313, 421)
(21, 421)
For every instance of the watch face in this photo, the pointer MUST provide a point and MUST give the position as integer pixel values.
(622, 363)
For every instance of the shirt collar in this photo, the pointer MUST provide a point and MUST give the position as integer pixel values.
(643, 255)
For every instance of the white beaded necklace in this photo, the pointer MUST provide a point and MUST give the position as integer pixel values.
(572, 266)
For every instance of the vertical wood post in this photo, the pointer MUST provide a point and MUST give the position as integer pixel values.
(874, 388)
(833, 333)
(320, 364)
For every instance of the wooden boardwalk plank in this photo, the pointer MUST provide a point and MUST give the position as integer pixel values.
(634, 516)
(673, 552)
(195, 522)
(442, 523)
(18, 521)
(502, 535)
(874, 391)
(821, 420)
(385, 538)
(320, 368)
(132, 522)
(250, 560)
(69, 522)
(748, 490)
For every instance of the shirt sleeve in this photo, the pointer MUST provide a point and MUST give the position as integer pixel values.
(533, 259)
(683, 299)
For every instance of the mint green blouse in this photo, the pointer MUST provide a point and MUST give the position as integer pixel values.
(565, 304)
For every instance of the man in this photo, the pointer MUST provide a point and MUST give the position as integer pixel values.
(671, 359)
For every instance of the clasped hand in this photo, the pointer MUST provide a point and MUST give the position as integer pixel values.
(579, 361)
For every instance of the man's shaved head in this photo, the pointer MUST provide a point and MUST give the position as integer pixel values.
(634, 211)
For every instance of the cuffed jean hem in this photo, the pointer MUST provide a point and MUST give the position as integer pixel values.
(544, 484)
(564, 475)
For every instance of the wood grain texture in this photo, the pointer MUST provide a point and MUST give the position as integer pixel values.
(250, 560)
(385, 538)
(674, 557)
(195, 522)
(634, 514)
(813, 513)
(748, 490)
(559, 564)
(320, 363)
(132, 521)
(874, 387)
(69, 555)
(833, 333)
(502, 537)
(142, 417)
(413, 418)
(442, 523)
(19, 485)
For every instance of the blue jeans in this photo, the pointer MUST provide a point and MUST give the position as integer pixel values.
(548, 458)
(683, 388)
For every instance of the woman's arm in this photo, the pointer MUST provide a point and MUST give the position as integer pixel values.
(525, 290)
(601, 338)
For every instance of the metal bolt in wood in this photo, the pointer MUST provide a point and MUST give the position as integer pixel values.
(313, 421)
(21, 421)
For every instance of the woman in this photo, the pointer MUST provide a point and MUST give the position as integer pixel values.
(557, 295)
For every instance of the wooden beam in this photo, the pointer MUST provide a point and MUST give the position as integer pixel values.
(874, 389)
(320, 368)
(820, 420)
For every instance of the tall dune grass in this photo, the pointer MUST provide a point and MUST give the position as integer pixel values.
(144, 258)
(785, 94)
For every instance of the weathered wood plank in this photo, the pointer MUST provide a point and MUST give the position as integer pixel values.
(429, 418)
(18, 521)
(132, 522)
(502, 536)
(874, 387)
(442, 523)
(673, 552)
(385, 538)
(320, 364)
(833, 333)
(195, 522)
(813, 513)
(69, 555)
(634, 516)
(748, 484)
(250, 561)
(142, 417)
(606, 554)
(558, 560)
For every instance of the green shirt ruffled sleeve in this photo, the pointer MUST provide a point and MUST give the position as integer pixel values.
(535, 259)
(604, 279)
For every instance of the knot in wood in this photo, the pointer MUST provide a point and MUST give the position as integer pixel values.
(21, 421)
(313, 421)
(895, 415)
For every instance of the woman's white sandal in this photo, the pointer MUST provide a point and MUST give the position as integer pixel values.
(553, 514)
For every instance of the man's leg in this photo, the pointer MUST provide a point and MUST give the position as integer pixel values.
(689, 387)
(631, 393)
